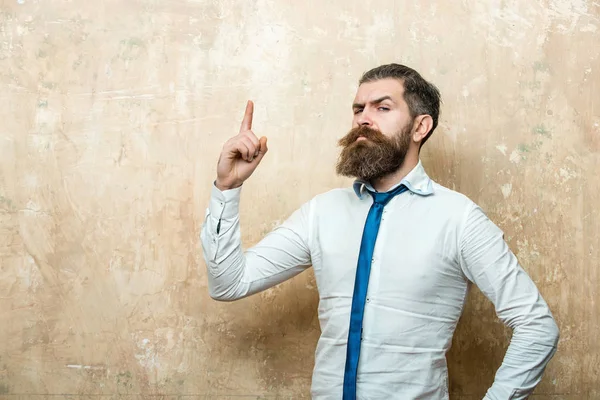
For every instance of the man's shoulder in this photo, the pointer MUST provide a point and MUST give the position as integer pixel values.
(451, 198)
(447, 193)
(336, 194)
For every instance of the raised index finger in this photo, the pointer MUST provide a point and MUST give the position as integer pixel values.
(247, 122)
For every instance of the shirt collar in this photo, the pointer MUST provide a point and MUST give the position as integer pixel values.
(416, 181)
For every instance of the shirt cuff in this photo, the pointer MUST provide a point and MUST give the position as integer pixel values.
(224, 204)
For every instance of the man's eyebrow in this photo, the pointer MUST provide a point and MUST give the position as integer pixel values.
(376, 101)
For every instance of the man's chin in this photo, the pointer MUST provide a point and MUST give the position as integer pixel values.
(346, 173)
(362, 142)
(353, 174)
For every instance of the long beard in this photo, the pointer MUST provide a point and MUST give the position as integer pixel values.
(374, 158)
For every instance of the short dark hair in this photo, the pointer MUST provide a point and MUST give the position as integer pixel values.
(422, 97)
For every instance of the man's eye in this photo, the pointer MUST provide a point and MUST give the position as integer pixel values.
(384, 109)
(357, 111)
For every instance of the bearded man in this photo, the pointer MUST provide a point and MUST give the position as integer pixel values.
(393, 256)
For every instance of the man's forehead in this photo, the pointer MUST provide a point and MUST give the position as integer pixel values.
(370, 91)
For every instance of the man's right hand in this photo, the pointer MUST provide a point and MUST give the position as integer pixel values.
(240, 155)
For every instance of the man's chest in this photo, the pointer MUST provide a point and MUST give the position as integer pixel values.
(415, 252)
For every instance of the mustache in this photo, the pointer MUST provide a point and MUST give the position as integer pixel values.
(364, 131)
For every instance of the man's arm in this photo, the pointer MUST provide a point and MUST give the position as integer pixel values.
(488, 262)
(234, 273)
(283, 253)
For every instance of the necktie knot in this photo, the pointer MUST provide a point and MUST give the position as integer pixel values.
(385, 197)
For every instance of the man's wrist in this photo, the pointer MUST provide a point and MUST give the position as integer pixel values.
(223, 187)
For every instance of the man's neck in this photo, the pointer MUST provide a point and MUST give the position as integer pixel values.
(385, 183)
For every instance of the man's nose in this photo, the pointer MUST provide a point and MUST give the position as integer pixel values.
(364, 120)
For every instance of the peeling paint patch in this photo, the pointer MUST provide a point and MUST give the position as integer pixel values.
(147, 356)
(506, 190)
(540, 66)
(568, 9)
(565, 174)
(515, 157)
(78, 366)
(542, 130)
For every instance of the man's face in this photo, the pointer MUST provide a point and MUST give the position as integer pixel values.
(381, 132)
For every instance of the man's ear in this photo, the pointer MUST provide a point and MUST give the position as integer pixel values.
(421, 127)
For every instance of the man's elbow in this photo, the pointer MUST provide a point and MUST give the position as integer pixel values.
(217, 296)
(546, 331)
(223, 295)
(541, 329)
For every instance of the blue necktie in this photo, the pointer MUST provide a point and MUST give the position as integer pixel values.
(361, 283)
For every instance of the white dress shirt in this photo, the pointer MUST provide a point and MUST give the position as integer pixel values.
(432, 242)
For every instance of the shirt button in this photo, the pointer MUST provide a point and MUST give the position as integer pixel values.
(368, 300)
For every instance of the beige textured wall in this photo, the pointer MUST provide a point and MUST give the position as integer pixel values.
(112, 114)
